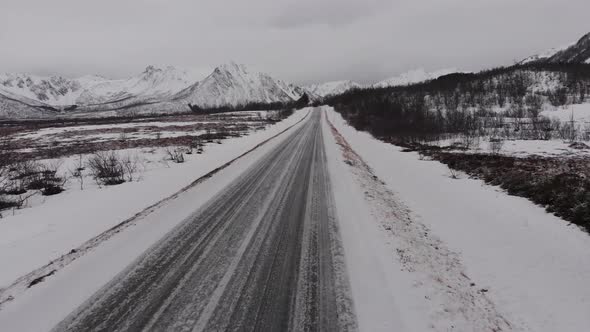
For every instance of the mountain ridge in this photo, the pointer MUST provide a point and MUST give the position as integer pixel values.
(331, 88)
(159, 89)
(413, 76)
(574, 53)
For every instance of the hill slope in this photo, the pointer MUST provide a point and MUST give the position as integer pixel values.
(412, 77)
(576, 53)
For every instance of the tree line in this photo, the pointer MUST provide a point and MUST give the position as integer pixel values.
(468, 103)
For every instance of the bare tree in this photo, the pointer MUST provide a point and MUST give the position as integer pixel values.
(534, 105)
(131, 165)
(77, 171)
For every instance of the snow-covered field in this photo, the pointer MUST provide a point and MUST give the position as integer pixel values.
(28, 136)
(60, 130)
(483, 259)
(521, 148)
(52, 226)
(580, 113)
(207, 119)
(545, 148)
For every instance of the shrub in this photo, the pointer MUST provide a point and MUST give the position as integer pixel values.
(46, 179)
(107, 168)
(131, 166)
(175, 155)
(7, 204)
(195, 144)
(31, 175)
(52, 189)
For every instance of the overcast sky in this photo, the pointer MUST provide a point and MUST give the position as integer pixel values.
(301, 41)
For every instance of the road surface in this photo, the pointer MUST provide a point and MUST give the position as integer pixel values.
(263, 255)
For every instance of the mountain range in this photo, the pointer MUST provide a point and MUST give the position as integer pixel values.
(162, 90)
(170, 89)
(411, 77)
(166, 89)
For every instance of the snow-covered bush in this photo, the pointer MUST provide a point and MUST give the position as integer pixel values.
(42, 177)
(109, 168)
(175, 155)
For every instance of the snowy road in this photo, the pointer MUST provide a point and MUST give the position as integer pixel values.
(264, 254)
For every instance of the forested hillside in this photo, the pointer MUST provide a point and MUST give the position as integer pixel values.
(469, 103)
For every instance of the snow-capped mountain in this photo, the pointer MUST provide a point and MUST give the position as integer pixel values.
(544, 55)
(52, 90)
(12, 106)
(578, 52)
(152, 83)
(412, 77)
(166, 89)
(331, 88)
(232, 84)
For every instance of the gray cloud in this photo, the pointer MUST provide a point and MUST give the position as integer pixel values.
(326, 12)
(301, 41)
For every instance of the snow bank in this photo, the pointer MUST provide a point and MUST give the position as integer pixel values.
(534, 266)
(403, 278)
(371, 275)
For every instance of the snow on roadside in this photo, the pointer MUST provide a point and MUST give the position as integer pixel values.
(426, 287)
(35, 236)
(531, 265)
